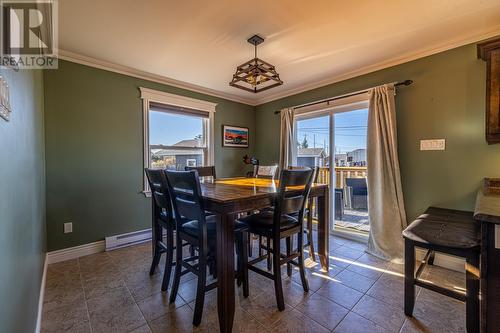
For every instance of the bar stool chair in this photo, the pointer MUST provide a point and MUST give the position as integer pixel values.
(309, 216)
(447, 231)
(280, 224)
(162, 219)
(198, 229)
(203, 171)
(265, 171)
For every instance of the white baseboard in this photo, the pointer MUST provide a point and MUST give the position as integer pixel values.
(40, 298)
(75, 252)
(444, 260)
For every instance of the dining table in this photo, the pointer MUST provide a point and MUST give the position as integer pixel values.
(228, 197)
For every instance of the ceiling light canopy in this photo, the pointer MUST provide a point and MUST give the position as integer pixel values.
(255, 75)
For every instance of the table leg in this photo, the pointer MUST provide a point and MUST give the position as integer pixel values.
(225, 273)
(323, 229)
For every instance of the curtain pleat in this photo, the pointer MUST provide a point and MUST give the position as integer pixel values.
(287, 138)
(385, 205)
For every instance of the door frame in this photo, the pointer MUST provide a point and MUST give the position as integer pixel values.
(329, 109)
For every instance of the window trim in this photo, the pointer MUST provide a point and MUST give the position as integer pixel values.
(161, 97)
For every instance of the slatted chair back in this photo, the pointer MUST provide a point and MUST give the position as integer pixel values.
(265, 171)
(291, 202)
(316, 171)
(203, 171)
(185, 191)
(159, 190)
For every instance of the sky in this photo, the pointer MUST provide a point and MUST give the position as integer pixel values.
(349, 129)
(168, 129)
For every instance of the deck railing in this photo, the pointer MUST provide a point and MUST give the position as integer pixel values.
(341, 174)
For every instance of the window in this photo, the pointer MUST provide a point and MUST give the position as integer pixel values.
(176, 140)
(178, 131)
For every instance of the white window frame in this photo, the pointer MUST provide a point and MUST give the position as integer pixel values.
(150, 95)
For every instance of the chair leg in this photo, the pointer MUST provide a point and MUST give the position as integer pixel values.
(409, 277)
(472, 289)
(430, 261)
(244, 264)
(269, 262)
(239, 244)
(169, 259)
(302, 270)
(278, 288)
(200, 290)
(156, 249)
(178, 270)
(289, 246)
(211, 268)
(250, 244)
(260, 246)
(214, 275)
(310, 231)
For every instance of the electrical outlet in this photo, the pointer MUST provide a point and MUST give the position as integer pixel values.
(68, 227)
(435, 144)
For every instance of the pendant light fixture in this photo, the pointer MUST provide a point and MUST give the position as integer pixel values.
(255, 75)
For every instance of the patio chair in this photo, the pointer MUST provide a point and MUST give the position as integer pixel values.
(358, 193)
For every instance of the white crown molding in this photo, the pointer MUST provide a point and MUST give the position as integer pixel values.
(75, 252)
(457, 42)
(112, 67)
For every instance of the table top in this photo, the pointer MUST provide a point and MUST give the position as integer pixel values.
(487, 208)
(232, 189)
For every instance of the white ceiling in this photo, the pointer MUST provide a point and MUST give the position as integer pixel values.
(312, 43)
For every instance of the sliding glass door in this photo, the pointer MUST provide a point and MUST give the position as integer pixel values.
(351, 194)
(334, 139)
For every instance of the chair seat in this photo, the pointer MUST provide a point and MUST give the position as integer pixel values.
(445, 227)
(191, 227)
(262, 222)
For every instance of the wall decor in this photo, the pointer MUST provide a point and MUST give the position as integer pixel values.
(5, 109)
(234, 136)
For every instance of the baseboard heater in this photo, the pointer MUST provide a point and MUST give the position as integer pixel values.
(128, 239)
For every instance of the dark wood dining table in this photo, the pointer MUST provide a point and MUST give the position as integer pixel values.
(228, 197)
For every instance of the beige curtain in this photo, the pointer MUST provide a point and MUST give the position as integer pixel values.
(386, 206)
(287, 138)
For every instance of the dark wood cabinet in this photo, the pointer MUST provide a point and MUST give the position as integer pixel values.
(489, 51)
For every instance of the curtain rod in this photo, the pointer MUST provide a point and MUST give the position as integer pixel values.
(401, 83)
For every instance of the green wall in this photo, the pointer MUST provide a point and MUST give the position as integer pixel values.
(22, 202)
(93, 126)
(446, 100)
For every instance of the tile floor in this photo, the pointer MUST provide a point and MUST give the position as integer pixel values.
(113, 292)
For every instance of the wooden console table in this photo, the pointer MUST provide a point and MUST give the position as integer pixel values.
(488, 213)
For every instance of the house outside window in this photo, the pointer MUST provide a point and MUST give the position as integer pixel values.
(178, 131)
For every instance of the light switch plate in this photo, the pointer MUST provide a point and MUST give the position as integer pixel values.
(68, 227)
(434, 144)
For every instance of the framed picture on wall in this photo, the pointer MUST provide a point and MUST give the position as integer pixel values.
(234, 136)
